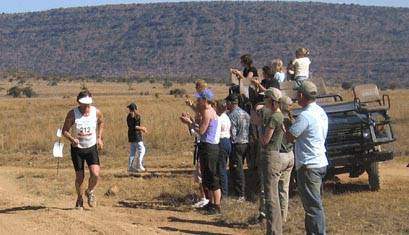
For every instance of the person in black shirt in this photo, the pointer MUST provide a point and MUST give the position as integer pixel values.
(249, 72)
(268, 81)
(135, 138)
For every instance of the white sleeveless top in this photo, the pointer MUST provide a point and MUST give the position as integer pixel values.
(85, 128)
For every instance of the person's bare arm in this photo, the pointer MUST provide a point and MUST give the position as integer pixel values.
(101, 126)
(69, 121)
(238, 73)
(265, 139)
(257, 83)
(141, 128)
(204, 123)
(250, 75)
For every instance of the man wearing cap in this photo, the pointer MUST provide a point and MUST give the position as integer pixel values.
(270, 140)
(209, 131)
(135, 138)
(88, 126)
(310, 131)
(240, 123)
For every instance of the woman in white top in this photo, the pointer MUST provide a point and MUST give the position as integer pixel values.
(301, 65)
(88, 126)
(224, 145)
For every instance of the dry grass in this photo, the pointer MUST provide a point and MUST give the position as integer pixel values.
(28, 130)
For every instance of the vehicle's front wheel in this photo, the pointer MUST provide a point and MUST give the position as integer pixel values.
(373, 176)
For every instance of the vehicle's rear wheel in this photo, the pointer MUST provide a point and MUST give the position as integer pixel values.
(373, 175)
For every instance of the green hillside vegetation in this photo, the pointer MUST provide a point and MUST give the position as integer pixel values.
(204, 39)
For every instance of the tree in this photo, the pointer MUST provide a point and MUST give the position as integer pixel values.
(346, 85)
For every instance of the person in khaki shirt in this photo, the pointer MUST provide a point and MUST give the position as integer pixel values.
(271, 139)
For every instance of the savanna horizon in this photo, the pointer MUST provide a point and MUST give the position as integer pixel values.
(28, 131)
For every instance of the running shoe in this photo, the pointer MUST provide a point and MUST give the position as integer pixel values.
(203, 202)
(141, 169)
(261, 217)
(214, 210)
(241, 199)
(92, 202)
(132, 170)
(205, 208)
(79, 205)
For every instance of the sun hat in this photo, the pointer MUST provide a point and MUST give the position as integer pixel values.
(85, 100)
(273, 93)
(286, 100)
(206, 94)
(84, 97)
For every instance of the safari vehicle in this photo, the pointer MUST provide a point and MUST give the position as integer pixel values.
(356, 131)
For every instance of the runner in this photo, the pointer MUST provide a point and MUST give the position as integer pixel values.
(88, 127)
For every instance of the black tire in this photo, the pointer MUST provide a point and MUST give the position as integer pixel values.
(373, 176)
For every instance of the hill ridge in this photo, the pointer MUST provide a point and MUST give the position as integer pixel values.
(203, 39)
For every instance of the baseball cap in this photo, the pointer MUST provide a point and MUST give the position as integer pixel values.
(308, 88)
(286, 100)
(272, 93)
(232, 99)
(132, 106)
(206, 94)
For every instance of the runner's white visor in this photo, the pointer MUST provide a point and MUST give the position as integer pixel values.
(85, 100)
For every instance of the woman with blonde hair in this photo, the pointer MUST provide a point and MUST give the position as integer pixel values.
(200, 86)
(278, 70)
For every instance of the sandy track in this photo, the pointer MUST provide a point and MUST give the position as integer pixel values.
(23, 213)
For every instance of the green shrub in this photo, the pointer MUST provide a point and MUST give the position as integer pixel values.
(15, 91)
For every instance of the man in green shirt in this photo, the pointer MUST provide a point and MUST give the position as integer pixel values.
(271, 139)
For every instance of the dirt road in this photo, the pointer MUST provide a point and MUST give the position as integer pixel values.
(48, 208)
(23, 213)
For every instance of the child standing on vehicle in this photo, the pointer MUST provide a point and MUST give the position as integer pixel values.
(301, 65)
(135, 138)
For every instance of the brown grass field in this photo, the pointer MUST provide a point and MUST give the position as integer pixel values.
(34, 199)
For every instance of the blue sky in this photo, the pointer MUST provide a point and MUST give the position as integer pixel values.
(14, 6)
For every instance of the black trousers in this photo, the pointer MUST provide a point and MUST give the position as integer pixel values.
(236, 169)
(209, 165)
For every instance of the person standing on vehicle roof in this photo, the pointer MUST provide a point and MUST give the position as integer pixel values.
(310, 131)
(88, 123)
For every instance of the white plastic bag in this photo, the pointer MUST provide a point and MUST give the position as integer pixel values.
(58, 149)
(59, 133)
